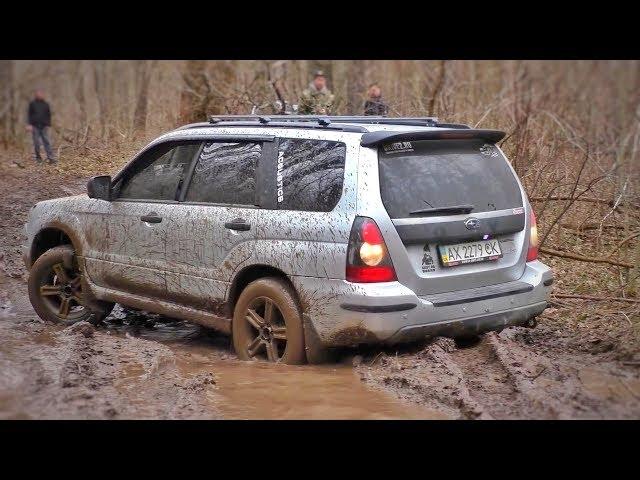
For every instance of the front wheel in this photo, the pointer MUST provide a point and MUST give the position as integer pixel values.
(267, 323)
(55, 289)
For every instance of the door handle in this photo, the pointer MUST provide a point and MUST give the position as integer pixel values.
(238, 224)
(151, 218)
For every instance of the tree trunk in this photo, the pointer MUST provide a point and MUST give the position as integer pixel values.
(7, 130)
(100, 84)
(193, 99)
(80, 98)
(143, 77)
(356, 85)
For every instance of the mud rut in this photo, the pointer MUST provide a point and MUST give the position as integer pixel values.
(498, 378)
(139, 365)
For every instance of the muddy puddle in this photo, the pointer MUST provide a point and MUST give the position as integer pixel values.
(258, 390)
(261, 391)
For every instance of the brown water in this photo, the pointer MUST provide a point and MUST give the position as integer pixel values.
(257, 390)
(146, 366)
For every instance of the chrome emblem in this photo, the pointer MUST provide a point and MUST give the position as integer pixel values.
(472, 223)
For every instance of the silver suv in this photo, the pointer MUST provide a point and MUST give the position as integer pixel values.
(297, 234)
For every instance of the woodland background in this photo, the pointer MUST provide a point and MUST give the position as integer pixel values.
(573, 135)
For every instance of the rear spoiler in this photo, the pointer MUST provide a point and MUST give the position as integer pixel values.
(373, 139)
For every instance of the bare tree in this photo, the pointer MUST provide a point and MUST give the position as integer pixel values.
(78, 78)
(7, 126)
(143, 77)
(194, 98)
(100, 77)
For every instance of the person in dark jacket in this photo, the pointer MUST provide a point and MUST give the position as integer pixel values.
(39, 121)
(375, 105)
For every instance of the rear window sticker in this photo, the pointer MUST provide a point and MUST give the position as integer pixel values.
(398, 147)
(427, 261)
(279, 179)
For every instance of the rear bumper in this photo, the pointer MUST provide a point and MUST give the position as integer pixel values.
(343, 313)
(469, 326)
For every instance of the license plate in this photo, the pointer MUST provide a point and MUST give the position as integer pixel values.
(470, 252)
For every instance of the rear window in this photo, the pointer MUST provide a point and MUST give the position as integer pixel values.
(442, 173)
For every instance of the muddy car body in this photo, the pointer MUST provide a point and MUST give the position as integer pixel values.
(358, 222)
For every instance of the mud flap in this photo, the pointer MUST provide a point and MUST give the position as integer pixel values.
(88, 299)
(316, 351)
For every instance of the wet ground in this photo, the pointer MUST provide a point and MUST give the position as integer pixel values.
(140, 365)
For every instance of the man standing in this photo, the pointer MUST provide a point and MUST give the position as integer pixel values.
(375, 105)
(39, 121)
(317, 98)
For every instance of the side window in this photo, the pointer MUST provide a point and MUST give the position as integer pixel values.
(310, 174)
(157, 175)
(226, 173)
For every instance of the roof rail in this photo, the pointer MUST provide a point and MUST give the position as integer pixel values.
(336, 122)
(326, 120)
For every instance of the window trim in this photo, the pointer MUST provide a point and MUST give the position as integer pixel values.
(188, 138)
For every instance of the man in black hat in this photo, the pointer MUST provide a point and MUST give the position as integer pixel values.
(316, 99)
(39, 121)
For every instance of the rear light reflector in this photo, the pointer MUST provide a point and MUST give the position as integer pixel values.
(370, 274)
(532, 252)
(368, 259)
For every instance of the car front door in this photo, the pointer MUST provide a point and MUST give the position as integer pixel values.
(128, 238)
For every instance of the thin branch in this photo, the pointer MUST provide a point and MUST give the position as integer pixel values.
(597, 299)
(582, 258)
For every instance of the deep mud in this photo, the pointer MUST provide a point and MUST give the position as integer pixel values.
(139, 365)
(508, 375)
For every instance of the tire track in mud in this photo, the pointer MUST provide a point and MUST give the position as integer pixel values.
(494, 377)
(500, 378)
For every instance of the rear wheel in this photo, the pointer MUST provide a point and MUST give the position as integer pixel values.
(55, 289)
(267, 323)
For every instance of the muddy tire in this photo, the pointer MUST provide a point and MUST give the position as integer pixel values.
(55, 289)
(267, 323)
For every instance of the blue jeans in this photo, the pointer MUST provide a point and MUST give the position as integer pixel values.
(40, 135)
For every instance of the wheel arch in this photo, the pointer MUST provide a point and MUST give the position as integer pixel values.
(50, 236)
(250, 273)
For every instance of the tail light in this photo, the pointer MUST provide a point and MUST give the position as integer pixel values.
(532, 253)
(368, 259)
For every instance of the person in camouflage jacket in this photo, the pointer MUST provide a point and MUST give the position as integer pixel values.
(317, 99)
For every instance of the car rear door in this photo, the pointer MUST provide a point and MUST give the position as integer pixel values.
(212, 230)
(456, 197)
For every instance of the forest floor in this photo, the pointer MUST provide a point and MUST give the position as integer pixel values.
(582, 360)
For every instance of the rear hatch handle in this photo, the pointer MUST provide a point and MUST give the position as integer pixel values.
(452, 209)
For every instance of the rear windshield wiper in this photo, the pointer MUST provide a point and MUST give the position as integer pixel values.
(452, 209)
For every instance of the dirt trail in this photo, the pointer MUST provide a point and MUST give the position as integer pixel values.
(139, 365)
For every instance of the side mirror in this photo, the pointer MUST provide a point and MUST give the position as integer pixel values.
(100, 188)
